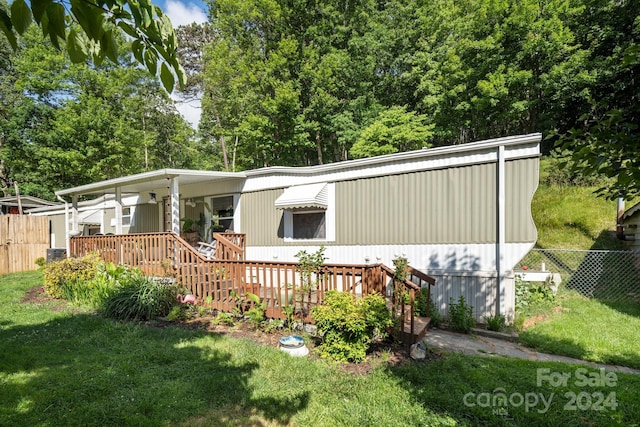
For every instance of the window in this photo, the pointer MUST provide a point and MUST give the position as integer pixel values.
(308, 212)
(309, 225)
(222, 213)
(126, 216)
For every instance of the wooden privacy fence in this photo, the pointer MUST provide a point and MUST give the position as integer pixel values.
(222, 283)
(23, 239)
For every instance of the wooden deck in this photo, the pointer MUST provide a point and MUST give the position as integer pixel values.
(222, 282)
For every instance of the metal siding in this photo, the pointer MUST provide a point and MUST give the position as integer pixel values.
(145, 219)
(521, 183)
(58, 230)
(454, 205)
(109, 214)
(260, 219)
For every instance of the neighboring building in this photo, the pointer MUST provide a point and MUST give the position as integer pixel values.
(460, 213)
(630, 224)
(10, 206)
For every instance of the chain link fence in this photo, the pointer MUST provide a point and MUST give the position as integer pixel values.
(603, 275)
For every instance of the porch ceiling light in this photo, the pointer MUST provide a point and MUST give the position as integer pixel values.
(190, 202)
(152, 198)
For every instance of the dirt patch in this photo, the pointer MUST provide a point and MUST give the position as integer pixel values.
(37, 296)
(385, 353)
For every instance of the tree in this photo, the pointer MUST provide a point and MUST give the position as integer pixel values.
(395, 130)
(78, 124)
(89, 28)
(602, 138)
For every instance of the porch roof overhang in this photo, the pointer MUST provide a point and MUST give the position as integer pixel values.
(304, 196)
(148, 181)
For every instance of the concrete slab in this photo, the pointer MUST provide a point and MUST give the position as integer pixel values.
(494, 347)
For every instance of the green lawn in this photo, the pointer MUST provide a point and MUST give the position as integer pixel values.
(65, 366)
(589, 329)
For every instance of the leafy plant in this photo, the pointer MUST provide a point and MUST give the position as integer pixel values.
(69, 272)
(223, 319)
(289, 311)
(141, 299)
(310, 268)
(348, 327)
(495, 322)
(41, 262)
(461, 315)
(434, 314)
(532, 294)
(256, 314)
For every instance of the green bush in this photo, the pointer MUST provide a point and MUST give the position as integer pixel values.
(496, 322)
(461, 317)
(140, 299)
(532, 294)
(348, 327)
(66, 276)
(435, 315)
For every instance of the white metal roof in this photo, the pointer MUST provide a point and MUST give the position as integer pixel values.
(304, 196)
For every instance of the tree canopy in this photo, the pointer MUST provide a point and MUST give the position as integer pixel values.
(88, 29)
(310, 82)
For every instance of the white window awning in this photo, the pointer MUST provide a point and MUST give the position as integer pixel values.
(304, 197)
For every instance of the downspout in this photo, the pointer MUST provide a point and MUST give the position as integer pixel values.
(501, 240)
(67, 242)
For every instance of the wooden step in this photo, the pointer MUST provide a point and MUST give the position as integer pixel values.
(420, 327)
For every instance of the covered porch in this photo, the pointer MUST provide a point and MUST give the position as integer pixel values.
(166, 200)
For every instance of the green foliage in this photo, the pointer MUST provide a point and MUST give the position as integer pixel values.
(309, 266)
(434, 314)
(41, 262)
(63, 276)
(93, 123)
(223, 319)
(140, 299)
(95, 37)
(495, 322)
(183, 312)
(348, 327)
(532, 294)
(460, 316)
(394, 130)
(256, 314)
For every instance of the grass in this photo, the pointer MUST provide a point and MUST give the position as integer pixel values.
(64, 366)
(589, 329)
(572, 217)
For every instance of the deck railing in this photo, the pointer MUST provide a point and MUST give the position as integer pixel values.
(222, 283)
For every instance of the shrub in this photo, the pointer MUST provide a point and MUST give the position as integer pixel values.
(348, 327)
(256, 314)
(435, 315)
(528, 295)
(461, 315)
(67, 276)
(223, 319)
(140, 299)
(495, 322)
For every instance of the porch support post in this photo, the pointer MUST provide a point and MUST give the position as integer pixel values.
(118, 210)
(174, 200)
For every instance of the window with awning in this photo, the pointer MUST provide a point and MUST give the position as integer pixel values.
(309, 212)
